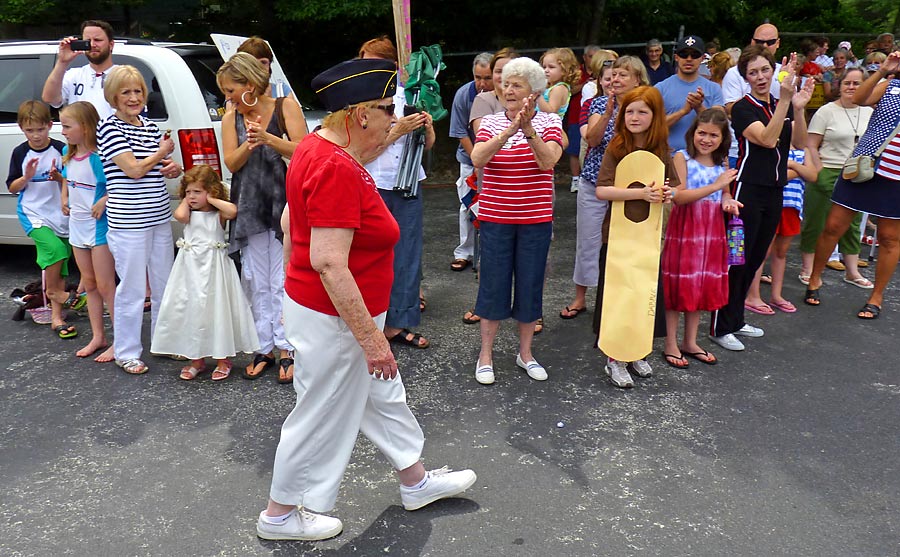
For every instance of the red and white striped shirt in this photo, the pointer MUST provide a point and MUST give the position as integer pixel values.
(514, 189)
(889, 162)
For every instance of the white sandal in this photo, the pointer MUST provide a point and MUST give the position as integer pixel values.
(134, 366)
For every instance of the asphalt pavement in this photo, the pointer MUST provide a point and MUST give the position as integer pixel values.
(788, 448)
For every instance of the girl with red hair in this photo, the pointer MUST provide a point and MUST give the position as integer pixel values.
(640, 125)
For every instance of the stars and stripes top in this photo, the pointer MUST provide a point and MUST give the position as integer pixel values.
(514, 189)
(881, 125)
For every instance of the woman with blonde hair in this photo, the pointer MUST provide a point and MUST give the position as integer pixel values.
(628, 72)
(136, 160)
(256, 136)
(718, 65)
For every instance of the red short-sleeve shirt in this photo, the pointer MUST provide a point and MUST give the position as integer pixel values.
(327, 188)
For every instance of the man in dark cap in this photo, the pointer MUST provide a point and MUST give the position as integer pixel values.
(686, 94)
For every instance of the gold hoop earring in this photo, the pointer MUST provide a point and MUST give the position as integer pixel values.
(243, 100)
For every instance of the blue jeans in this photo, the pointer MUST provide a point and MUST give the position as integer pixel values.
(404, 311)
(509, 250)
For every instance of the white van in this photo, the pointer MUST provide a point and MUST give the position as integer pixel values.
(182, 97)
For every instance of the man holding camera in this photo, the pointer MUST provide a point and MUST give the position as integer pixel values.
(66, 85)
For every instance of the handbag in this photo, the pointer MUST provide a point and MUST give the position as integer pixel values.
(861, 168)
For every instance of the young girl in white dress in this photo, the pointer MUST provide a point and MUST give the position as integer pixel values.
(204, 312)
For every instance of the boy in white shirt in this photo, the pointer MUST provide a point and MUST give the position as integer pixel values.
(34, 175)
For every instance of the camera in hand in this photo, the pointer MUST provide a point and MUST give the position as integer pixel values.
(80, 45)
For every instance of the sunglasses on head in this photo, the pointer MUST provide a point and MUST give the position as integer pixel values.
(387, 108)
(767, 42)
(693, 54)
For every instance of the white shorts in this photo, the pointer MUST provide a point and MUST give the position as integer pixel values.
(86, 234)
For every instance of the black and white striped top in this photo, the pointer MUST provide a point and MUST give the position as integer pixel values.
(132, 204)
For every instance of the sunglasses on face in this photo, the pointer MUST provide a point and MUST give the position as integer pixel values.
(767, 42)
(692, 54)
(387, 108)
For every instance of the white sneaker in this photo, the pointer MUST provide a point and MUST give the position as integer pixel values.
(574, 187)
(439, 484)
(535, 370)
(750, 331)
(728, 342)
(641, 368)
(484, 374)
(300, 525)
(618, 374)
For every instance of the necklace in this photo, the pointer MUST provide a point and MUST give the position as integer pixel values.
(852, 125)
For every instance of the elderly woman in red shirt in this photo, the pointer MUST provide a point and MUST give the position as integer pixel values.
(341, 239)
(518, 149)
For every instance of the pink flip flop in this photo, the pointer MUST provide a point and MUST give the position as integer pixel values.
(784, 306)
(762, 309)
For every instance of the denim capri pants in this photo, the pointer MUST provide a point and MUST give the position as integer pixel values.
(507, 251)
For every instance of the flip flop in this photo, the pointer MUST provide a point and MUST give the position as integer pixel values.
(286, 370)
(710, 360)
(470, 318)
(671, 359)
(765, 279)
(811, 298)
(861, 282)
(539, 326)
(403, 337)
(423, 305)
(784, 306)
(571, 313)
(762, 309)
(804, 279)
(65, 330)
(869, 308)
(459, 264)
(261, 362)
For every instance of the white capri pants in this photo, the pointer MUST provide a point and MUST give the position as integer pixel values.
(139, 254)
(336, 400)
(589, 216)
(466, 247)
(262, 277)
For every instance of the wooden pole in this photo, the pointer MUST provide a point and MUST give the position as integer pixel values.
(404, 38)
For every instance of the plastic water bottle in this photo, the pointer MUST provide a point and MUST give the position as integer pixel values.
(735, 235)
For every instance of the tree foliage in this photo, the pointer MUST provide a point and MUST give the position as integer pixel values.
(25, 11)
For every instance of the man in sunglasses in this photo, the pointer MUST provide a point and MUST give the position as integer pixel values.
(734, 87)
(687, 93)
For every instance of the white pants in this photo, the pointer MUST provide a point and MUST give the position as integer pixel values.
(138, 254)
(336, 400)
(466, 247)
(262, 276)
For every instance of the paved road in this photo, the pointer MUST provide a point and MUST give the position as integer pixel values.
(789, 448)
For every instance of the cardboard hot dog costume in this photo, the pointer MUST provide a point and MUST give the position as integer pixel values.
(632, 264)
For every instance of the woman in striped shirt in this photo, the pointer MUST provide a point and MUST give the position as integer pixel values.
(517, 149)
(136, 161)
